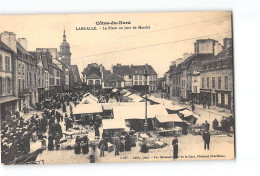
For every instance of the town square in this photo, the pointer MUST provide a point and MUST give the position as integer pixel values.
(100, 102)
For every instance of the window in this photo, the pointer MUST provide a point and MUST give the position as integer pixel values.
(129, 76)
(57, 82)
(140, 82)
(4, 86)
(106, 84)
(35, 82)
(213, 83)
(90, 82)
(1, 83)
(97, 82)
(1, 62)
(136, 82)
(219, 82)
(136, 77)
(202, 81)
(8, 88)
(226, 99)
(194, 89)
(140, 77)
(7, 63)
(226, 82)
(58, 73)
(207, 82)
(113, 84)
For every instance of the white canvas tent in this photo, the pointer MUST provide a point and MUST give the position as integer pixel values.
(168, 118)
(186, 113)
(135, 98)
(89, 99)
(113, 124)
(87, 109)
(138, 111)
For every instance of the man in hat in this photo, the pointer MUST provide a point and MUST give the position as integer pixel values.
(175, 147)
(206, 138)
(117, 143)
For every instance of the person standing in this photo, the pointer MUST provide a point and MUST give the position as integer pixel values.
(117, 144)
(102, 147)
(206, 138)
(207, 125)
(215, 124)
(175, 147)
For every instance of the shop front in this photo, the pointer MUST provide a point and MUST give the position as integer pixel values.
(223, 99)
(8, 106)
(205, 96)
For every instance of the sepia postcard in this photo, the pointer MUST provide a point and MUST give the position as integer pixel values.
(116, 87)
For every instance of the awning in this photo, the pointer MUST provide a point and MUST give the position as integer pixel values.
(127, 94)
(186, 113)
(137, 111)
(8, 99)
(174, 107)
(168, 118)
(135, 98)
(113, 124)
(88, 100)
(87, 109)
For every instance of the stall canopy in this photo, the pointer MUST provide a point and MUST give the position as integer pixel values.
(110, 106)
(113, 124)
(168, 118)
(127, 94)
(87, 109)
(89, 99)
(138, 111)
(186, 113)
(174, 107)
(135, 98)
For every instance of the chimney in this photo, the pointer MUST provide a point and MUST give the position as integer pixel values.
(227, 43)
(118, 65)
(9, 38)
(23, 43)
(173, 63)
(178, 61)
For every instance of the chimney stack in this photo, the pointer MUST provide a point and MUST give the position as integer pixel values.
(173, 63)
(23, 43)
(178, 61)
(9, 38)
(227, 43)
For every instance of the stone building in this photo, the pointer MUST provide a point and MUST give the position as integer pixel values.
(92, 76)
(217, 80)
(125, 72)
(8, 77)
(139, 81)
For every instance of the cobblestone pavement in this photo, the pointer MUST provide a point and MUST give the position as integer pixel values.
(190, 148)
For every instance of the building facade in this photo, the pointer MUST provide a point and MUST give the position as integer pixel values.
(8, 91)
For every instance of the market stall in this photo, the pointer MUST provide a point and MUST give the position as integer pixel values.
(172, 109)
(135, 115)
(187, 115)
(170, 124)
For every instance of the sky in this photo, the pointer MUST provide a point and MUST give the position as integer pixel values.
(170, 34)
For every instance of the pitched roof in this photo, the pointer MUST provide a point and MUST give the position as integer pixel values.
(140, 69)
(113, 77)
(75, 70)
(122, 70)
(19, 46)
(91, 70)
(5, 47)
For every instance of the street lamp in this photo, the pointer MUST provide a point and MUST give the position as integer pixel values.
(145, 91)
